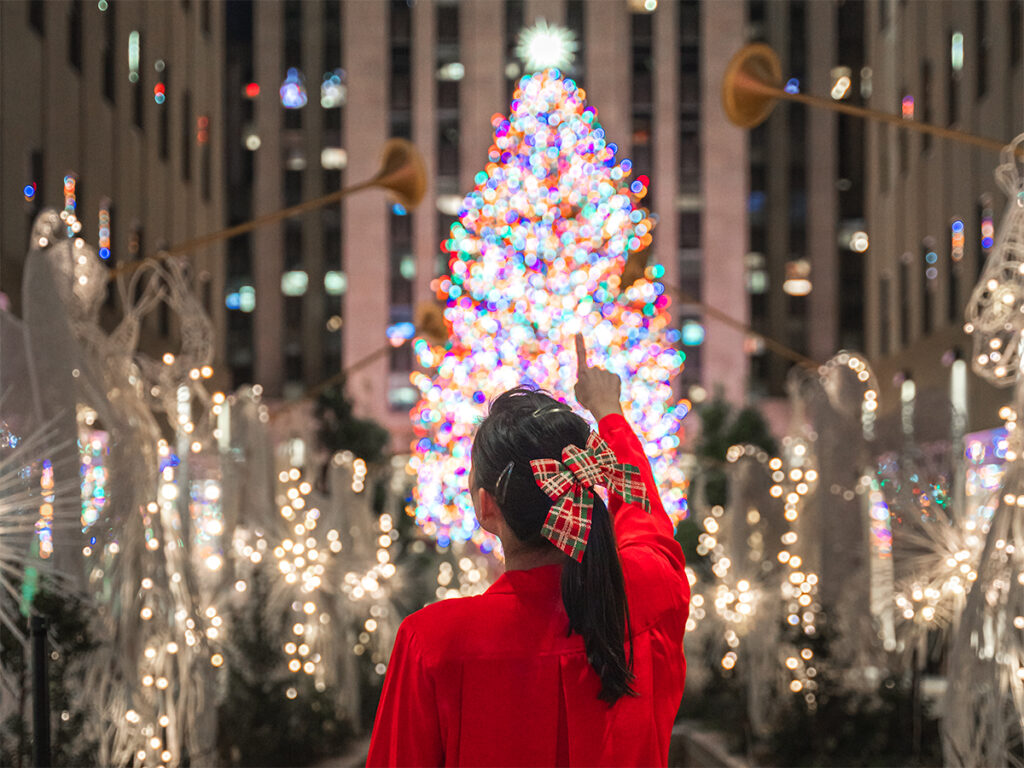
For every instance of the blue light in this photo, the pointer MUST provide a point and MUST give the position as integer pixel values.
(692, 334)
(398, 209)
(401, 331)
(104, 253)
(931, 257)
(29, 191)
(958, 226)
(792, 85)
(293, 90)
(233, 301)
(169, 461)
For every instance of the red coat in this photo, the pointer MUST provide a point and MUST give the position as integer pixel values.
(495, 680)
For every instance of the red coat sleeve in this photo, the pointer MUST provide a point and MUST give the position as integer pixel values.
(407, 730)
(633, 526)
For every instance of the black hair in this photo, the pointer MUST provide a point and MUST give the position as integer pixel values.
(526, 424)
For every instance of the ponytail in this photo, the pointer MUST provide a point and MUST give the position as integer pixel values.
(524, 424)
(594, 596)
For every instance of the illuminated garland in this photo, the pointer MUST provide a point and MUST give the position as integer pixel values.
(536, 256)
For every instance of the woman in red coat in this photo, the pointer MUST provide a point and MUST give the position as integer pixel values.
(574, 656)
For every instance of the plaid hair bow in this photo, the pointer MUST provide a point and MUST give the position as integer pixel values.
(570, 484)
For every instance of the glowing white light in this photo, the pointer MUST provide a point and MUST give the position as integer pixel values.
(333, 158)
(546, 45)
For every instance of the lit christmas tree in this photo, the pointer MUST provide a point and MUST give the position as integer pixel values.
(536, 256)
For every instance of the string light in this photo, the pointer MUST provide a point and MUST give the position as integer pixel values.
(537, 255)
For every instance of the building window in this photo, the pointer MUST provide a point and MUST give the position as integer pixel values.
(448, 150)
(332, 35)
(164, 110)
(292, 119)
(138, 97)
(955, 276)
(515, 15)
(926, 103)
(929, 274)
(885, 316)
(981, 45)
(403, 265)
(109, 52)
(205, 169)
(906, 301)
(292, 188)
(75, 20)
(689, 277)
(293, 366)
(575, 20)
(884, 170)
(884, 15)
(642, 53)
(689, 156)
(953, 78)
(36, 172)
(293, 319)
(186, 137)
(293, 33)
(689, 80)
(37, 15)
(903, 142)
(292, 244)
(756, 17)
(692, 330)
(1016, 30)
(400, 90)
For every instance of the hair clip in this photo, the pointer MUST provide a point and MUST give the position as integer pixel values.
(501, 487)
(551, 408)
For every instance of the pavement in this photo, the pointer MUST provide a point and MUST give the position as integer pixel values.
(353, 757)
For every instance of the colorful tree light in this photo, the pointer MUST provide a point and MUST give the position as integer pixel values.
(536, 256)
(293, 90)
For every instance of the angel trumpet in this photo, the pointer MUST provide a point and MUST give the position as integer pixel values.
(401, 173)
(753, 83)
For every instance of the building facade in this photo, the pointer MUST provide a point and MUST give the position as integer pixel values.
(804, 200)
(112, 111)
(328, 286)
(932, 205)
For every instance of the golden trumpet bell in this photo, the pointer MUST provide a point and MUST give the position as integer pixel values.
(752, 79)
(430, 322)
(402, 172)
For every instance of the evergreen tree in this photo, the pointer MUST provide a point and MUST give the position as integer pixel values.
(537, 255)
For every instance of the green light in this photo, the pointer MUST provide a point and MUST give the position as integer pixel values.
(956, 51)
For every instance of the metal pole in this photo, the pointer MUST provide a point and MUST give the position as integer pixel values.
(40, 695)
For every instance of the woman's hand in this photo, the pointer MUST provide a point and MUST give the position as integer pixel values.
(597, 390)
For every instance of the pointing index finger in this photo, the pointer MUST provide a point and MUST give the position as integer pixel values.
(581, 352)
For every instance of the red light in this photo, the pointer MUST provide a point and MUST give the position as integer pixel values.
(908, 107)
(252, 90)
(158, 89)
(202, 129)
